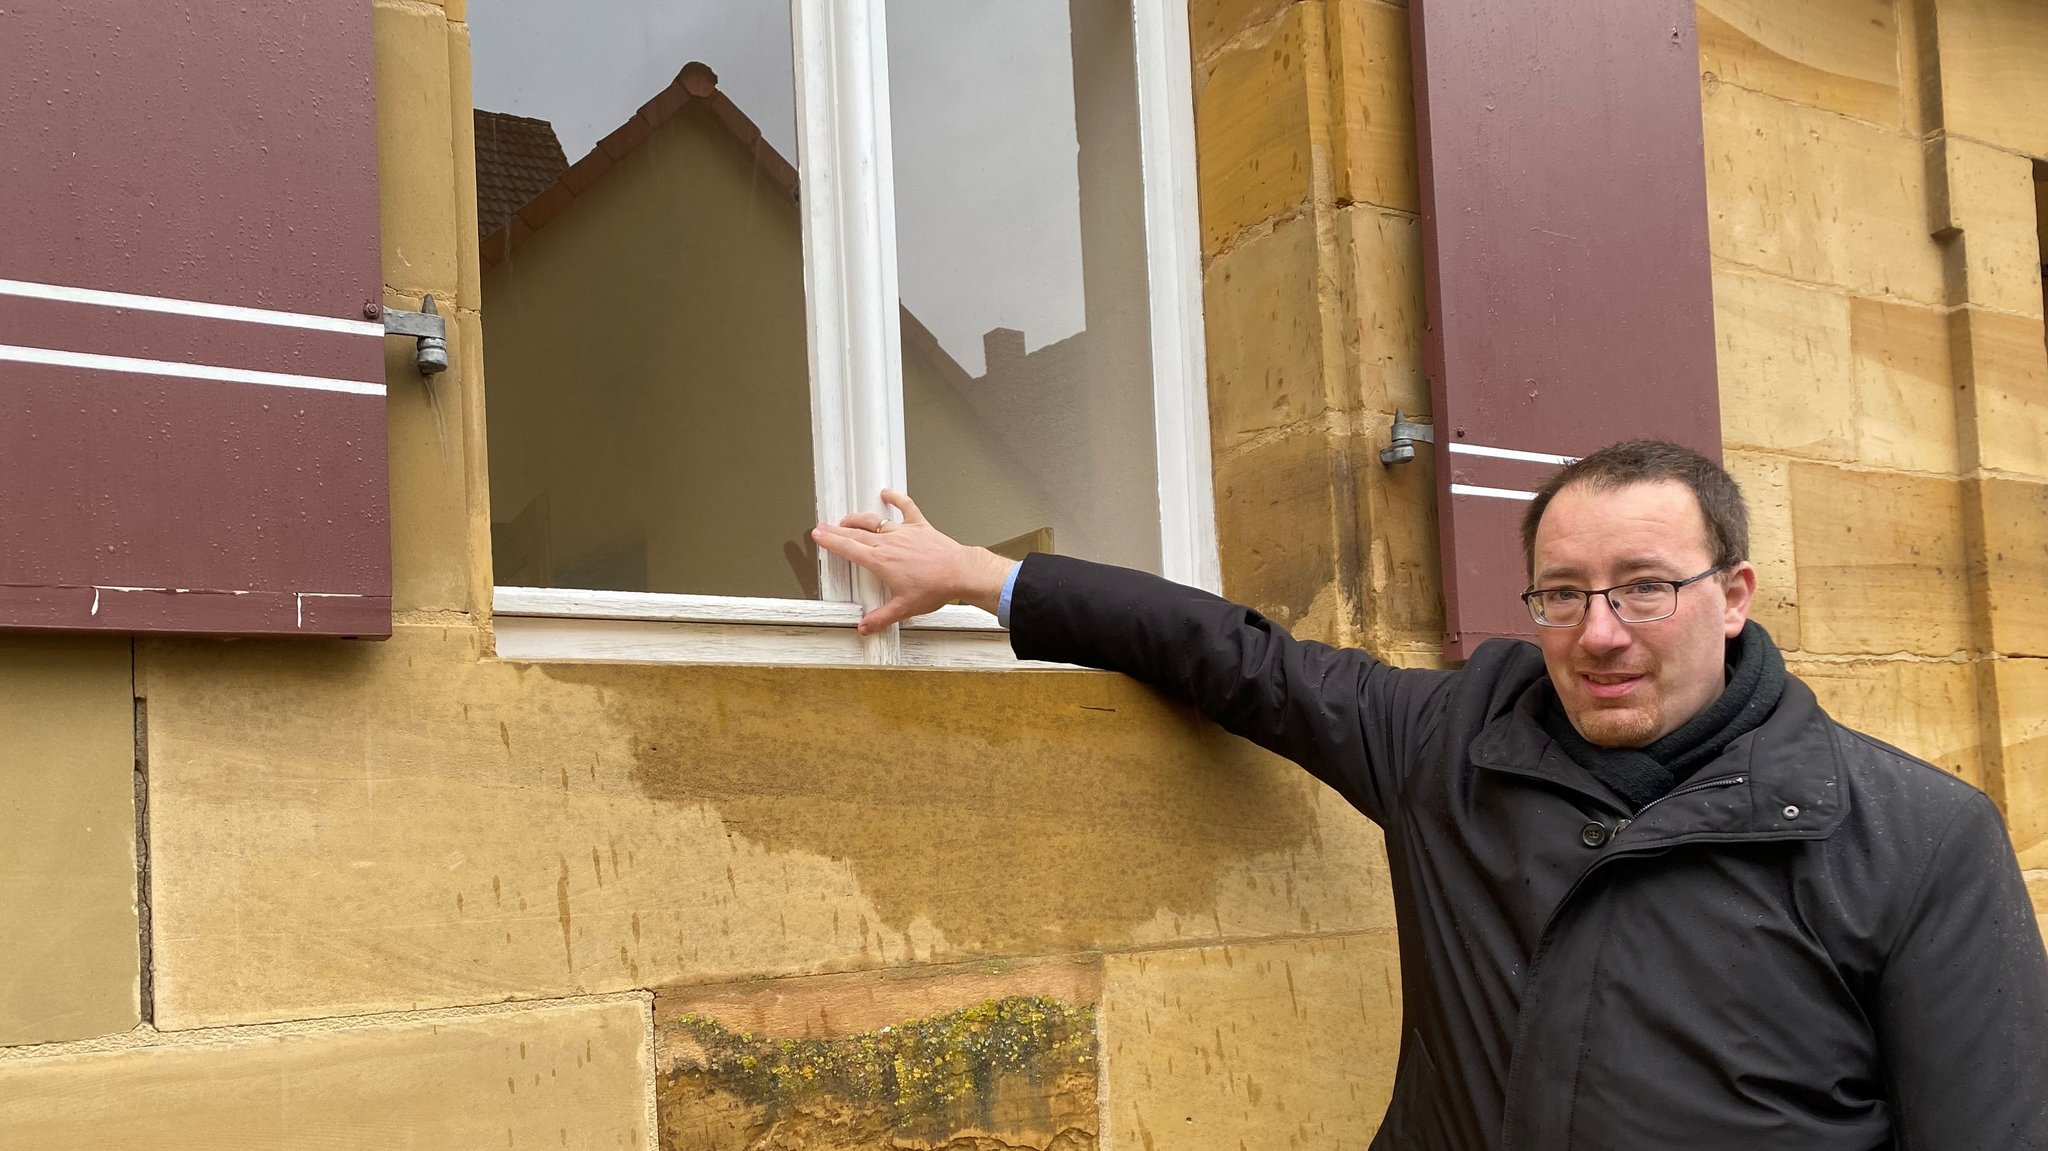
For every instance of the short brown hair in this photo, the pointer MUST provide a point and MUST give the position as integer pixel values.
(1649, 461)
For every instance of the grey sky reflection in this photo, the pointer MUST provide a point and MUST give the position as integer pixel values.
(988, 230)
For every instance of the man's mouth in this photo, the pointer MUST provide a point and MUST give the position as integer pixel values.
(1608, 685)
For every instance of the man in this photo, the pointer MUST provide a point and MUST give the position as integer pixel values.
(1649, 894)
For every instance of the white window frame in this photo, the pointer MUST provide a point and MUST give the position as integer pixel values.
(849, 242)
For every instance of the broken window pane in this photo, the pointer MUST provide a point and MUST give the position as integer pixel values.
(647, 375)
(1027, 373)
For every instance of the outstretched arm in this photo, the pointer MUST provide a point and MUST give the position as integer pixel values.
(1349, 719)
(923, 568)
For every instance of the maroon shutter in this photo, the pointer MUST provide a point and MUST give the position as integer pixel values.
(1565, 232)
(192, 437)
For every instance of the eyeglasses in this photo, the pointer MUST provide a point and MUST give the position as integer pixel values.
(1643, 601)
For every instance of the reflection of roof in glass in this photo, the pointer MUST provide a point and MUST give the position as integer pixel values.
(523, 181)
(516, 161)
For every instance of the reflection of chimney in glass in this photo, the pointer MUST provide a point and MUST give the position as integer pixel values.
(1003, 348)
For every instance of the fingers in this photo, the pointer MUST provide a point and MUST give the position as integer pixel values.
(896, 610)
(912, 565)
(865, 521)
(903, 503)
(846, 543)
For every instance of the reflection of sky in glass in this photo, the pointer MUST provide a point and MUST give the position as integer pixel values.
(588, 65)
(982, 112)
(987, 193)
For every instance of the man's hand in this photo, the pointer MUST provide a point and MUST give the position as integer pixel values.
(922, 568)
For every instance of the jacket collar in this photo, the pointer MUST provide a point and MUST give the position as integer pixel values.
(1790, 773)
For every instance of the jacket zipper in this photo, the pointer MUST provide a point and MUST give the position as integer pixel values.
(1702, 785)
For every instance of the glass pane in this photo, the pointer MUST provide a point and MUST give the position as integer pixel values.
(1027, 374)
(647, 377)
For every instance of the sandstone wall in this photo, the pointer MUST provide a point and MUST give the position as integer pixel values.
(407, 894)
(1872, 179)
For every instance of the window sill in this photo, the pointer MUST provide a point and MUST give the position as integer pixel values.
(552, 625)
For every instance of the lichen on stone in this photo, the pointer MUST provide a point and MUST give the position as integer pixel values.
(918, 1071)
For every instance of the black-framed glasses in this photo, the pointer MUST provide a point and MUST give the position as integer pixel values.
(1638, 601)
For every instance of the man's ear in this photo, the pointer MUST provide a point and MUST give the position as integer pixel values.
(1739, 585)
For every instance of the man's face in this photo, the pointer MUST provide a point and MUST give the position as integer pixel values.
(1626, 685)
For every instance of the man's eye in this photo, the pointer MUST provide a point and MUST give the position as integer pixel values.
(1559, 596)
(1645, 590)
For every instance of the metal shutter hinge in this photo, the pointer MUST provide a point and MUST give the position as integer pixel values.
(1405, 437)
(427, 326)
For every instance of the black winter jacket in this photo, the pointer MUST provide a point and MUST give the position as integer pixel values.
(1817, 942)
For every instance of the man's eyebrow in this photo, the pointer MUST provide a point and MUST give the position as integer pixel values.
(1638, 564)
(1634, 565)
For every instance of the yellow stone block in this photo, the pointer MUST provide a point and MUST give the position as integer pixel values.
(1807, 371)
(1346, 881)
(1905, 400)
(2022, 788)
(1925, 707)
(1777, 340)
(1766, 488)
(1813, 196)
(1385, 314)
(1257, 125)
(2000, 364)
(416, 177)
(1286, 531)
(342, 828)
(1211, 23)
(2016, 564)
(1841, 55)
(1992, 84)
(70, 951)
(1276, 1045)
(1987, 198)
(1374, 92)
(1403, 597)
(551, 1077)
(1881, 563)
(432, 567)
(1919, 66)
(468, 359)
(1274, 356)
(462, 120)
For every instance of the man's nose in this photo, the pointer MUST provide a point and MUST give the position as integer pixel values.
(1602, 630)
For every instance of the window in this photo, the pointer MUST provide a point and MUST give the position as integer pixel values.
(747, 262)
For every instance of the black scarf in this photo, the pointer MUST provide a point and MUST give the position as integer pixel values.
(1756, 678)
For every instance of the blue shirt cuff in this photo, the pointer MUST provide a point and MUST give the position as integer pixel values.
(1003, 601)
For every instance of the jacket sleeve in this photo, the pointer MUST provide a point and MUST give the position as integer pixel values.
(1962, 1007)
(1352, 721)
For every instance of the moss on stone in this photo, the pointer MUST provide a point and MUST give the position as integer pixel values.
(922, 1069)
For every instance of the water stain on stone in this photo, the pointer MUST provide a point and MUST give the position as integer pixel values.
(562, 912)
(1044, 809)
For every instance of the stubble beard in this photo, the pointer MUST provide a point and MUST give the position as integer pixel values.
(1617, 726)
